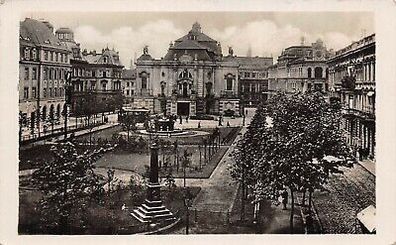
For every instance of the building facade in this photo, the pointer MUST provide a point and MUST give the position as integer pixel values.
(192, 78)
(43, 65)
(129, 85)
(96, 77)
(253, 78)
(352, 81)
(300, 69)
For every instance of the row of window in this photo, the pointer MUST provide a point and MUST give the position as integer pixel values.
(130, 92)
(32, 54)
(47, 93)
(130, 84)
(81, 72)
(253, 74)
(48, 73)
(54, 73)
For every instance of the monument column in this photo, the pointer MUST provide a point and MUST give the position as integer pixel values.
(153, 210)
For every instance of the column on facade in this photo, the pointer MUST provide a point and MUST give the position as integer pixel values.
(372, 71)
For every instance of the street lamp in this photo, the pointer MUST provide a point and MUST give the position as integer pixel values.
(68, 95)
(188, 200)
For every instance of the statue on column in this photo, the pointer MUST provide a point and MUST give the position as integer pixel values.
(230, 51)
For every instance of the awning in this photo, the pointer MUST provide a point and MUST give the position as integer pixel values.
(370, 93)
(367, 218)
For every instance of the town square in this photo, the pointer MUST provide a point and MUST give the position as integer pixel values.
(179, 123)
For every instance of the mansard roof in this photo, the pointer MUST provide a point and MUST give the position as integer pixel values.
(39, 33)
(107, 57)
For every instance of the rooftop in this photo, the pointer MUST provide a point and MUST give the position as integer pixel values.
(39, 33)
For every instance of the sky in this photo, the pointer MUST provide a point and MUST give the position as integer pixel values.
(265, 33)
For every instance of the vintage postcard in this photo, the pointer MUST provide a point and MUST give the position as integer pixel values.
(246, 120)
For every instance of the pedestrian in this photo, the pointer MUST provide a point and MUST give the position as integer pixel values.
(181, 119)
(228, 124)
(187, 119)
(284, 195)
(199, 124)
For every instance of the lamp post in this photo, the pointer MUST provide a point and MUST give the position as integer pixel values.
(187, 203)
(68, 95)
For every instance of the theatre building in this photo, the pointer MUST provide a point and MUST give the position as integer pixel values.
(192, 78)
(352, 81)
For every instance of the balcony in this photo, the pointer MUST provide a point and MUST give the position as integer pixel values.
(368, 112)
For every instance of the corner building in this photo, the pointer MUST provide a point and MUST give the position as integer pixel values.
(192, 78)
(352, 81)
(300, 69)
(96, 77)
(43, 64)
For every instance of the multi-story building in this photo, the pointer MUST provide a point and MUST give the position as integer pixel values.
(43, 65)
(253, 78)
(96, 77)
(352, 81)
(192, 78)
(129, 85)
(300, 68)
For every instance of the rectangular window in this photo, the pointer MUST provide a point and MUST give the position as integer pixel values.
(127, 84)
(229, 83)
(132, 92)
(46, 55)
(34, 73)
(144, 82)
(56, 57)
(26, 73)
(45, 73)
(253, 74)
(25, 93)
(27, 54)
(44, 92)
(127, 92)
(52, 56)
(34, 92)
(50, 92)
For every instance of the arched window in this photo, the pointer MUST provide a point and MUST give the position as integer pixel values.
(58, 111)
(51, 112)
(44, 113)
(163, 84)
(318, 72)
(309, 72)
(229, 83)
(144, 82)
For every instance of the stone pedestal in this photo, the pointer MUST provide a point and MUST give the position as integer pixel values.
(153, 210)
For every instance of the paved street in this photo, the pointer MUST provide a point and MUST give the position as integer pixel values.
(348, 194)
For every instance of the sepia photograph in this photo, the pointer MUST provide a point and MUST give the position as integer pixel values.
(197, 123)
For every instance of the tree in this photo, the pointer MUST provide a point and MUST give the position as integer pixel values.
(286, 146)
(129, 123)
(67, 182)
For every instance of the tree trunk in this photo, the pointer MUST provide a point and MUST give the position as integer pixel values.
(310, 200)
(292, 211)
(303, 197)
(243, 196)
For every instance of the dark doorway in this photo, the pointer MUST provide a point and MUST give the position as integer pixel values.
(183, 108)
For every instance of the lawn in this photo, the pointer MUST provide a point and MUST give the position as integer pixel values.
(104, 218)
(138, 163)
